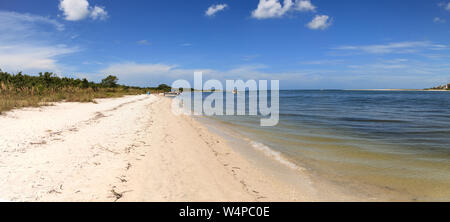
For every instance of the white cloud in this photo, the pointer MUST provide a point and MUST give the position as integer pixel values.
(439, 20)
(396, 47)
(75, 10)
(271, 8)
(99, 13)
(213, 9)
(28, 44)
(274, 8)
(305, 5)
(320, 22)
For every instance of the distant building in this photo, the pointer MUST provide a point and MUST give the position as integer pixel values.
(442, 87)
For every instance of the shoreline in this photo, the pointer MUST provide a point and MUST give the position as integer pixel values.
(126, 149)
(314, 184)
(134, 149)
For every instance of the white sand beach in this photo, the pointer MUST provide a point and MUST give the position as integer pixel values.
(128, 149)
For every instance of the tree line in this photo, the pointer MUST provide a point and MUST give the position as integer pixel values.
(20, 90)
(49, 80)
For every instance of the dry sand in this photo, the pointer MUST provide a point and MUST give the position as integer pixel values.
(127, 149)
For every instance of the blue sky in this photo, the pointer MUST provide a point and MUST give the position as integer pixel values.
(316, 44)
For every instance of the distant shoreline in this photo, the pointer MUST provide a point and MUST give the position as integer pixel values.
(412, 90)
(415, 90)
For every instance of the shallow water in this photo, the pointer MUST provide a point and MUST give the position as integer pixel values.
(370, 141)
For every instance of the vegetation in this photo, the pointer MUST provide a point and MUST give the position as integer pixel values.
(110, 82)
(19, 90)
(164, 87)
(441, 87)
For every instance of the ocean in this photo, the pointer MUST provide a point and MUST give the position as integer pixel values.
(390, 145)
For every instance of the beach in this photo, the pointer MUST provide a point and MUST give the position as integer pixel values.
(127, 149)
(135, 148)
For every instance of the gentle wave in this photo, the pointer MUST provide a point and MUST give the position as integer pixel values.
(274, 155)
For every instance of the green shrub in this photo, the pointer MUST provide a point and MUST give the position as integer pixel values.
(21, 90)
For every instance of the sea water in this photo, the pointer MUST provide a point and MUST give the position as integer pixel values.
(369, 141)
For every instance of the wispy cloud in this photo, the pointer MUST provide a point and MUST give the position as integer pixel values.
(21, 22)
(144, 74)
(132, 68)
(445, 5)
(323, 62)
(213, 9)
(250, 57)
(395, 47)
(439, 20)
(275, 9)
(388, 73)
(411, 68)
(32, 58)
(28, 44)
(75, 10)
(143, 42)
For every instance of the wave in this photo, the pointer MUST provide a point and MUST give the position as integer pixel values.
(274, 155)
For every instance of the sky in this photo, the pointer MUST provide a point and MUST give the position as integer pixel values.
(306, 44)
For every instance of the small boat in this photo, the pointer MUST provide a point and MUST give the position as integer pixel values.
(235, 91)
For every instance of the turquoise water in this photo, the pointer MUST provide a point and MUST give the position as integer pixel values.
(395, 142)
